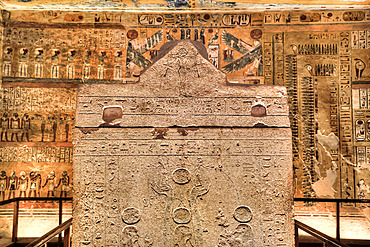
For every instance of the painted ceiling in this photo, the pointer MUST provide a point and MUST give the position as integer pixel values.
(181, 4)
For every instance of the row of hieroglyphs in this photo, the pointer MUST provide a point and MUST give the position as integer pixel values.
(171, 190)
(194, 19)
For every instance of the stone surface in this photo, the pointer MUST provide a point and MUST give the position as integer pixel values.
(172, 178)
(183, 88)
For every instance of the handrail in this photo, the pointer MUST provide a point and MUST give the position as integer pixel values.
(35, 199)
(337, 202)
(308, 199)
(51, 234)
(317, 234)
(64, 227)
(16, 210)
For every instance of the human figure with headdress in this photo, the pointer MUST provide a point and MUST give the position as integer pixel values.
(66, 128)
(23, 184)
(15, 126)
(35, 184)
(4, 122)
(43, 126)
(55, 128)
(50, 181)
(3, 184)
(64, 180)
(13, 183)
(26, 127)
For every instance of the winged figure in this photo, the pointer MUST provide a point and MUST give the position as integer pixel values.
(252, 54)
(135, 51)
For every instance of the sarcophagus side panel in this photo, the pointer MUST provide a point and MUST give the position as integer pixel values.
(208, 165)
(187, 185)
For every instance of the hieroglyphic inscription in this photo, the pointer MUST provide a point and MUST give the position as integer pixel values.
(137, 110)
(38, 99)
(176, 106)
(175, 171)
(278, 58)
(171, 179)
(308, 127)
(47, 47)
(292, 84)
(268, 63)
(345, 114)
(36, 154)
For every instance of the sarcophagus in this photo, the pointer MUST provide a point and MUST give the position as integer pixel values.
(182, 158)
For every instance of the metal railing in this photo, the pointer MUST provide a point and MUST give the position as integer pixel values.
(65, 227)
(16, 210)
(328, 241)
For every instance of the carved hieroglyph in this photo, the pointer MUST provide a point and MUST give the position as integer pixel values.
(182, 158)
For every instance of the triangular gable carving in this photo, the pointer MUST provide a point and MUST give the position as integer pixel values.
(182, 68)
(182, 88)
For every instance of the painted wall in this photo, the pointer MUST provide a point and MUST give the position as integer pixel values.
(320, 55)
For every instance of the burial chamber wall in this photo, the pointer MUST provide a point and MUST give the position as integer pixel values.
(319, 53)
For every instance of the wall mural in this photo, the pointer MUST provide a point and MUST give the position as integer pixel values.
(171, 4)
(321, 56)
(36, 141)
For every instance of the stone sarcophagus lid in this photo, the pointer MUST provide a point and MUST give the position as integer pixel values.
(182, 158)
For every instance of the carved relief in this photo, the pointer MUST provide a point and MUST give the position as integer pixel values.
(243, 214)
(184, 174)
(326, 73)
(183, 237)
(131, 215)
(241, 236)
(181, 176)
(181, 215)
(130, 236)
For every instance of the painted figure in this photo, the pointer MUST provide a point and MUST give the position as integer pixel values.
(26, 127)
(4, 127)
(252, 55)
(55, 128)
(64, 180)
(202, 36)
(23, 53)
(66, 127)
(253, 69)
(50, 181)
(23, 184)
(43, 126)
(15, 126)
(13, 182)
(134, 57)
(362, 189)
(3, 184)
(35, 184)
